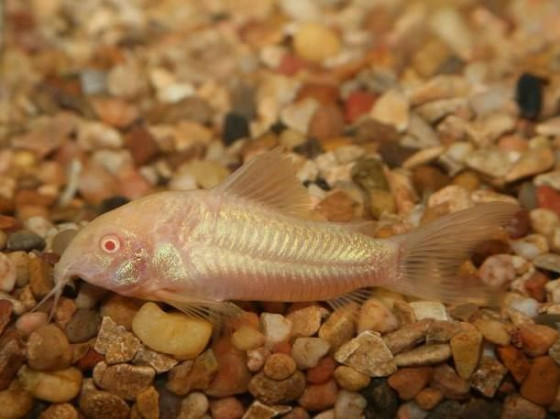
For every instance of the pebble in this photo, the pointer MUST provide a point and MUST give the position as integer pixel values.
(350, 379)
(232, 376)
(528, 94)
(147, 403)
(226, 408)
(449, 383)
(7, 273)
(167, 332)
(120, 309)
(273, 392)
(493, 331)
(439, 87)
(123, 379)
(537, 339)
(429, 310)
(146, 357)
(189, 375)
(307, 351)
(488, 377)
(428, 398)
(115, 342)
(382, 400)
(357, 104)
(338, 328)
(515, 361)
(15, 402)
(20, 261)
(12, 357)
(101, 404)
(337, 207)
(25, 241)
(6, 309)
(368, 354)
(236, 127)
(256, 358)
(392, 108)
(258, 410)
(194, 406)
(497, 270)
(305, 321)
(408, 382)
(466, 347)
(83, 326)
(60, 411)
(541, 383)
(327, 123)
(375, 316)
(247, 338)
(322, 372)
(349, 405)
(407, 336)
(276, 328)
(424, 355)
(517, 407)
(40, 277)
(319, 397)
(56, 386)
(48, 349)
(316, 42)
(532, 162)
(279, 366)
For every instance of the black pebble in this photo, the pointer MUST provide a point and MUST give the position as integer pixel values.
(25, 241)
(529, 95)
(323, 184)
(382, 401)
(447, 410)
(480, 408)
(236, 127)
(112, 203)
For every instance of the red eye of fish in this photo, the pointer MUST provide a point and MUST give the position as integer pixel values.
(110, 244)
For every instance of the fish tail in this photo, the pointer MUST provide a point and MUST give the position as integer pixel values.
(429, 258)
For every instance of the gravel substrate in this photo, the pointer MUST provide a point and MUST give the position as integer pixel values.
(394, 111)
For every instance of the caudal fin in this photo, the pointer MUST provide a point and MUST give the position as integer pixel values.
(430, 256)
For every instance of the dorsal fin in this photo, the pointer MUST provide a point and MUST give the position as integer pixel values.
(270, 179)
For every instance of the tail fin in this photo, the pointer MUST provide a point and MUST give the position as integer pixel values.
(430, 256)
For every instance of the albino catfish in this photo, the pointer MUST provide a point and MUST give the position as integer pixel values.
(254, 238)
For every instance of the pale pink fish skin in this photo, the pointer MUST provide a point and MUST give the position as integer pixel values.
(213, 246)
(254, 238)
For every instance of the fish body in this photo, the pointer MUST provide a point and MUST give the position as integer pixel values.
(255, 238)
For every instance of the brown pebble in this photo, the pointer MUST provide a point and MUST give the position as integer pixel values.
(60, 411)
(189, 376)
(296, 413)
(226, 408)
(83, 326)
(48, 349)
(121, 309)
(428, 398)
(428, 179)
(537, 339)
(277, 392)
(147, 403)
(327, 122)
(123, 379)
(517, 407)
(515, 361)
(5, 313)
(103, 405)
(322, 372)
(408, 382)
(41, 277)
(319, 397)
(279, 366)
(541, 384)
(450, 383)
(338, 206)
(11, 359)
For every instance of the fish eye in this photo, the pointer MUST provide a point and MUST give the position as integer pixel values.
(110, 244)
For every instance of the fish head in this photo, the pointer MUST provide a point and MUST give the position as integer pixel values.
(110, 252)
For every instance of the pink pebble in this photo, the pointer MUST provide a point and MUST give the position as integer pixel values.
(30, 321)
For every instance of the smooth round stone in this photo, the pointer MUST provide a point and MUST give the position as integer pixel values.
(316, 42)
